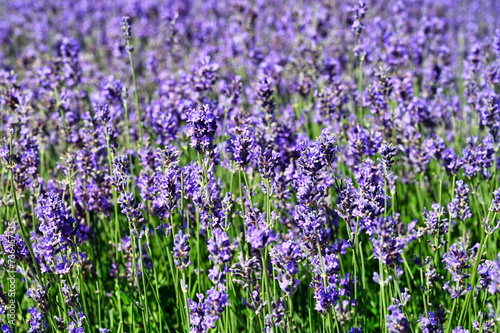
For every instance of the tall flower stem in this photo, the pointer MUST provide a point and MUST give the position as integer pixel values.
(243, 211)
(61, 113)
(383, 304)
(466, 304)
(325, 285)
(449, 214)
(145, 297)
(18, 214)
(448, 330)
(360, 81)
(130, 50)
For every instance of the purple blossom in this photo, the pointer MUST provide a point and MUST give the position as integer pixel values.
(325, 281)
(311, 223)
(132, 210)
(268, 162)
(495, 202)
(390, 237)
(489, 273)
(6, 329)
(276, 317)
(387, 153)
(478, 157)
(204, 313)
(37, 324)
(285, 258)
(181, 250)
(219, 247)
(397, 322)
(359, 13)
(56, 227)
(327, 144)
(241, 145)
(457, 260)
(265, 98)
(201, 128)
(459, 206)
(435, 223)
(259, 233)
(431, 323)
(167, 186)
(451, 161)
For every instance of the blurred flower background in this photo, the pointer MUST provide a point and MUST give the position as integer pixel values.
(250, 166)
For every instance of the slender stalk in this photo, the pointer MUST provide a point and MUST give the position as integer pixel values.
(360, 81)
(18, 215)
(449, 214)
(136, 91)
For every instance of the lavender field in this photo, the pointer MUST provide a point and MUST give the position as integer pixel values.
(324, 166)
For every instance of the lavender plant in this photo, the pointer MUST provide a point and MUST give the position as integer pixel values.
(251, 166)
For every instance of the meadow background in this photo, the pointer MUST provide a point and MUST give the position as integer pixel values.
(245, 166)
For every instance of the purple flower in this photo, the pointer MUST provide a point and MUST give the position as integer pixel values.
(167, 185)
(6, 329)
(285, 257)
(181, 250)
(451, 161)
(268, 161)
(431, 323)
(483, 325)
(495, 202)
(457, 260)
(456, 290)
(489, 274)
(359, 13)
(119, 178)
(276, 316)
(39, 295)
(192, 180)
(361, 142)
(331, 102)
(397, 322)
(435, 224)
(259, 233)
(387, 153)
(327, 144)
(75, 315)
(37, 324)
(325, 281)
(389, 237)
(219, 247)
(244, 269)
(241, 145)
(207, 311)
(14, 245)
(459, 206)
(311, 223)
(126, 27)
(201, 128)
(265, 98)
(132, 210)
(56, 228)
(478, 157)
(205, 75)
(312, 159)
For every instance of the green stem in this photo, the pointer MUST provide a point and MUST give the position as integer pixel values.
(136, 91)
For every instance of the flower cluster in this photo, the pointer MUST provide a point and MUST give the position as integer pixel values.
(257, 166)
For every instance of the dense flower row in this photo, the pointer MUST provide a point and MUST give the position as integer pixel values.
(273, 166)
